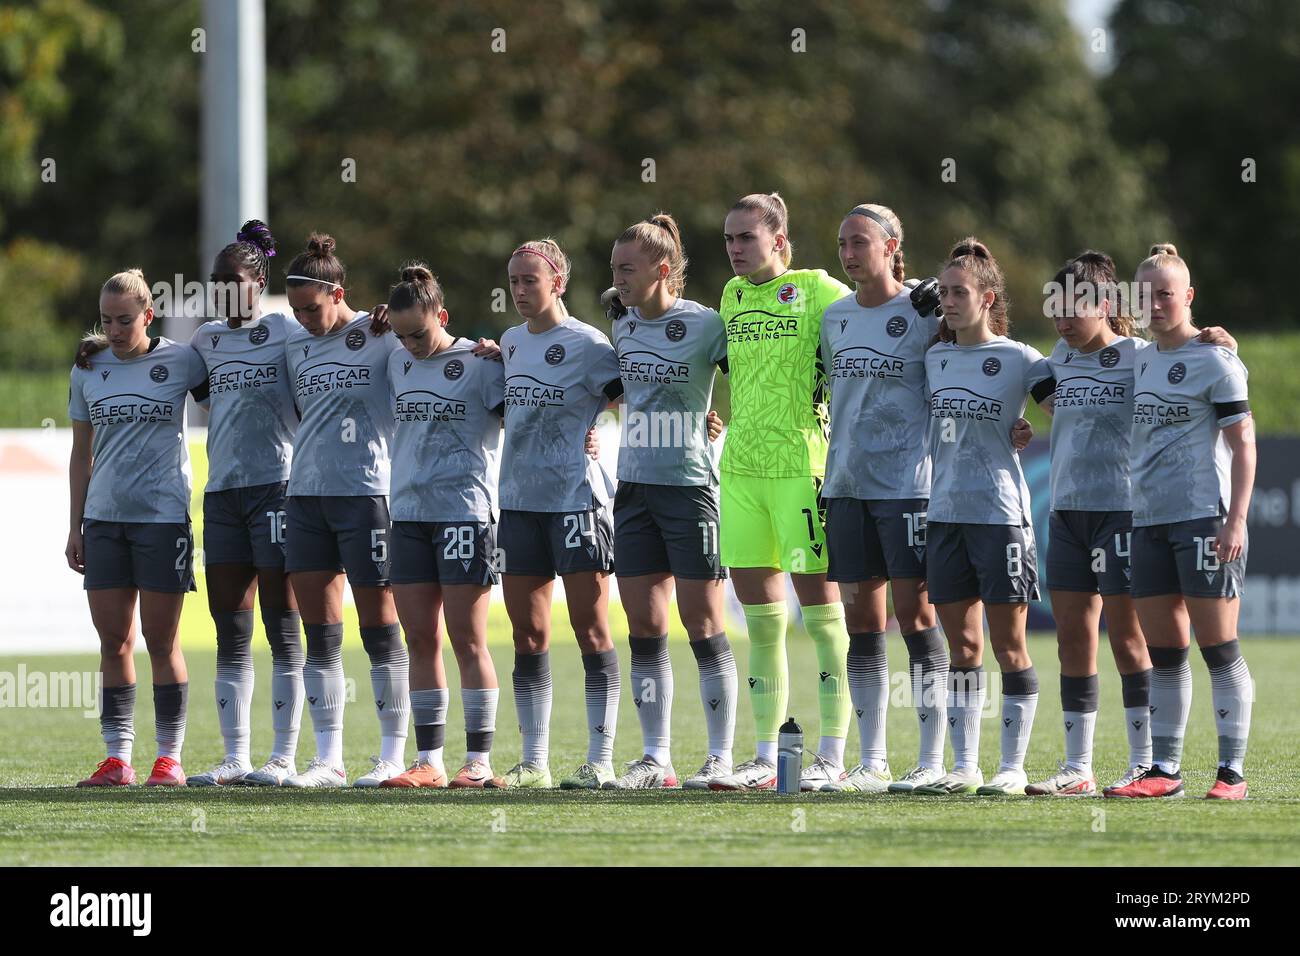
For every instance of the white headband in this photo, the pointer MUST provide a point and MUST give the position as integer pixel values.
(321, 281)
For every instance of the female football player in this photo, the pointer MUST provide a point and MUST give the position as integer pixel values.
(666, 507)
(980, 539)
(560, 373)
(1090, 528)
(873, 344)
(772, 465)
(251, 424)
(448, 405)
(337, 511)
(1193, 470)
(129, 529)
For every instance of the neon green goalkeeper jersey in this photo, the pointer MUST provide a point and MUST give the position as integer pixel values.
(778, 395)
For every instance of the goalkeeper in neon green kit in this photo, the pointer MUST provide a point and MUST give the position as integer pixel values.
(772, 468)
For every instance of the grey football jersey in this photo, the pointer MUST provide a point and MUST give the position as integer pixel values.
(976, 394)
(447, 430)
(1181, 465)
(554, 389)
(667, 366)
(1092, 424)
(340, 384)
(875, 362)
(251, 417)
(141, 463)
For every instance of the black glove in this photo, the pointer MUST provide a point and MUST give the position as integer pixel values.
(614, 307)
(925, 298)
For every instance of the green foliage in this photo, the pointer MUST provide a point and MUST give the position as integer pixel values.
(1199, 87)
(462, 152)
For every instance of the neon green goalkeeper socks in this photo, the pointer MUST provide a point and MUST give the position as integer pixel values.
(769, 671)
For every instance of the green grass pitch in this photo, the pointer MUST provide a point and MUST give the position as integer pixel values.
(44, 821)
(43, 751)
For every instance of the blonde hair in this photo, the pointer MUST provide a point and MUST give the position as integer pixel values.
(772, 212)
(1164, 255)
(130, 283)
(549, 251)
(891, 217)
(659, 238)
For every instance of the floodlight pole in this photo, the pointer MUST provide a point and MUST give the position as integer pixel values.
(233, 145)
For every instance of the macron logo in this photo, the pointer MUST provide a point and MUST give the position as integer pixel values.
(76, 909)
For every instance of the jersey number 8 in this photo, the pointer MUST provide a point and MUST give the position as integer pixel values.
(1015, 562)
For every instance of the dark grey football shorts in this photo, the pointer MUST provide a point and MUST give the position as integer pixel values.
(996, 563)
(346, 533)
(132, 554)
(1089, 551)
(880, 538)
(245, 526)
(667, 528)
(444, 552)
(547, 543)
(1179, 558)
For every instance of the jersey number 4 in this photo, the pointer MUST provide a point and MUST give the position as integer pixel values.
(578, 525)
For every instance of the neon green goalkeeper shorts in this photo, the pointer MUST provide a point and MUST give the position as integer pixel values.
(773, 523)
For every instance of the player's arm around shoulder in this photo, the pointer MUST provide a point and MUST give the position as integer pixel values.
(1040, 382)
(601, 361)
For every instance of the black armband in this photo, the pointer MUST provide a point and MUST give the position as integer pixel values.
(613, 388)
(500, 410)
(200, 391)
(722, 364)
(1224, 410)
(1044, 388)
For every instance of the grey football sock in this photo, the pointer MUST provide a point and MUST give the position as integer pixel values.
(532, 684)
(1079, 713)
(718, 691)
(322, 678)
(1171, 702)
(234, 682)
(652, 693)
(868, 672)
(429, 708)
(117, 720)
(1019, 704)
(927, 654)
(169, 702)
(1137, 716)
(284, 634)
(966, 694)
(602, 690)
(389, 679)
(1234, 695)
(480, 706)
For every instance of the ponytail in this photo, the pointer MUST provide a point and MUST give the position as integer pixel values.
(417, 287)
(659, 238)
(316, 263)
(973, 257)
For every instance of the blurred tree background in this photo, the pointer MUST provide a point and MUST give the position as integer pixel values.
(462, 152)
